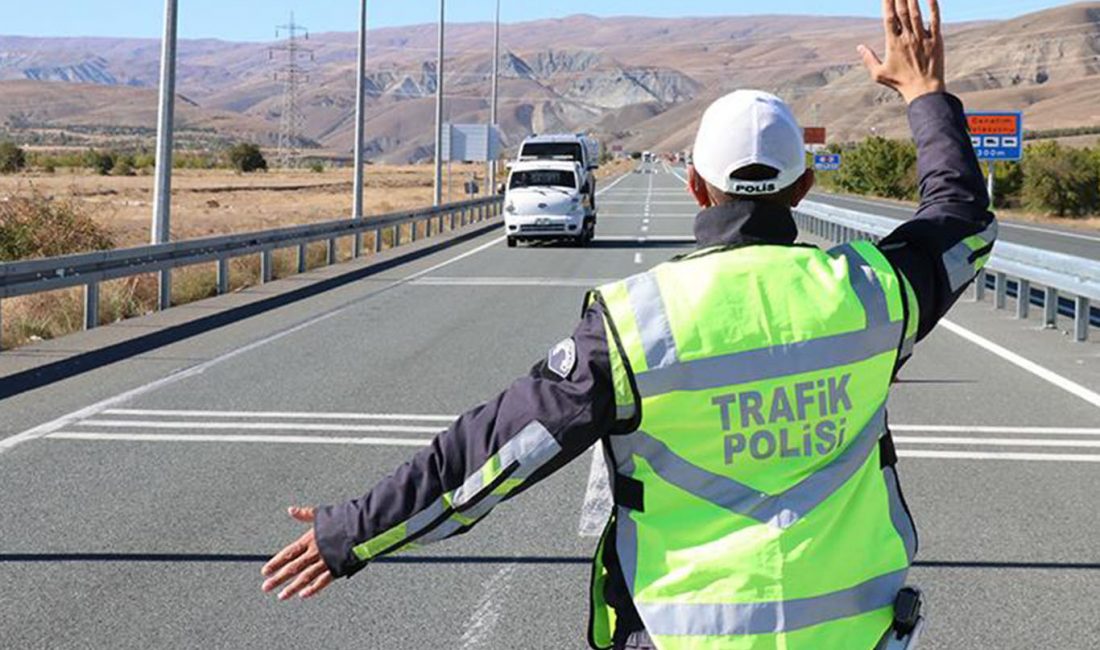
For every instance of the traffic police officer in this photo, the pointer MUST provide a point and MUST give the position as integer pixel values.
(738, 393)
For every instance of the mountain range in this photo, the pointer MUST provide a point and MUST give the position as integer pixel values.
(636, 83)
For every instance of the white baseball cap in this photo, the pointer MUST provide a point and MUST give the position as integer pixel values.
(749, 127)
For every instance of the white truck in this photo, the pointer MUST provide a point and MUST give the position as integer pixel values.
(545, 200)
(572, 147)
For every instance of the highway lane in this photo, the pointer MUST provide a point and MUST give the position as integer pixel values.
(1053, 238)
(174, 494)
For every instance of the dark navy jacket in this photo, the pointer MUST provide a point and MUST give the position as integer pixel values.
(579, 410)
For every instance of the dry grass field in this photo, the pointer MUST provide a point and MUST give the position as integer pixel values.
(206, 203)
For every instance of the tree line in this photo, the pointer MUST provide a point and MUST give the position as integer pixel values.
(1052, 179)
(243, 157)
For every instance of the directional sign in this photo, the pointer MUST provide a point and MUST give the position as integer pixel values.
(997, 136)
(814, 134)
(827, 162)
(470, 142)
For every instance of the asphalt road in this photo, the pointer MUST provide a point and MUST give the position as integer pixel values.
(1047, 237)
(137, 501)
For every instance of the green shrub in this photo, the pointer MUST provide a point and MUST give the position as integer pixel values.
(101, 162)
(145, 161)
(12, 158)
(1060, 180)
(124, 166)
(33, 225)
(317, 167)
(879, 167)
(1008, 182)
(246, 158)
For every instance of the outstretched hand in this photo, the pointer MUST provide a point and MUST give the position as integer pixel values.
(300, 563)
(914, 64)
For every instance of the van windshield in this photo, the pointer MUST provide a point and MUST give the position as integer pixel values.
(553, 150)
(543, 178)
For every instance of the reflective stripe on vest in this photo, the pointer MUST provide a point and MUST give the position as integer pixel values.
(763, 374)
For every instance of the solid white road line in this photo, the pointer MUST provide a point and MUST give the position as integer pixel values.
(1039, 371)
(1001, 223)
(256, 426)
(586, 283)
(1049, 231)
(974, 455)
(89, 411)
(276, 440)
(637, 258)
(396, 417)
(478, 630)
(597, 497)
(1034, 431)
(447, 419)
(996, 442)
(614, 183)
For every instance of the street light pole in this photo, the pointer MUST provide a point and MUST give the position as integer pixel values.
(360, 126)
(439, 110)
(162, 191)
(493, 101)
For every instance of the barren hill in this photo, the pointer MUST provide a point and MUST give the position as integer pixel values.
(636, 82)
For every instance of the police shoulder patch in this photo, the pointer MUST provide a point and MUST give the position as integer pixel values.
(562, 358)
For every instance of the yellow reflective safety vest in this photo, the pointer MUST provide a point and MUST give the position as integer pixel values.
(762, 515)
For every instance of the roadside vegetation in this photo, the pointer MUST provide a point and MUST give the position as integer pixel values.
(1053, 180)
(69, 210)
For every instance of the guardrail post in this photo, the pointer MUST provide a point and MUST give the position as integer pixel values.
(1002, 291)
(357, 247)
(331, 252)
(454, 216)
(397, 235)
(1081, 317)
(428, 228)
(164, 291)
(412, 231)
(377, 240)
(979, 287)
(1023, 298)
(1050, 308)
(223, 276)
(91, 305)
(1, 324)
(303, 258)
(266, 262)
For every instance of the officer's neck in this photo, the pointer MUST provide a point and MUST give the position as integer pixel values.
(745, 222)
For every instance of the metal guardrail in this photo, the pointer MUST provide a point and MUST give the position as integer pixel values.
(1019, 271)
(89, 269)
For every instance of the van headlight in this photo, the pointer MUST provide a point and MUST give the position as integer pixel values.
(510, 208)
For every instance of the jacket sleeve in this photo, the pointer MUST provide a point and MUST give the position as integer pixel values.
(941, 250)
(490, 454)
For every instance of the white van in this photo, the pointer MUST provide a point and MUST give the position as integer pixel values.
(578, 148)
(545, 200)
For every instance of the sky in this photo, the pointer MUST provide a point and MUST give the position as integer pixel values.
(255, 20)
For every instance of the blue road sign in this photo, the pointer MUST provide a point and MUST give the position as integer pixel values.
(827, 162)
(997, 135)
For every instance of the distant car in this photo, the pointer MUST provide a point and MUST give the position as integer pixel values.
(545, 201)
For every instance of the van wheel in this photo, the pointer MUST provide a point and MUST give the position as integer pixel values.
(511, 242)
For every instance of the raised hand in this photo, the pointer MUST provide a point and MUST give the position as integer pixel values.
(914, 64)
